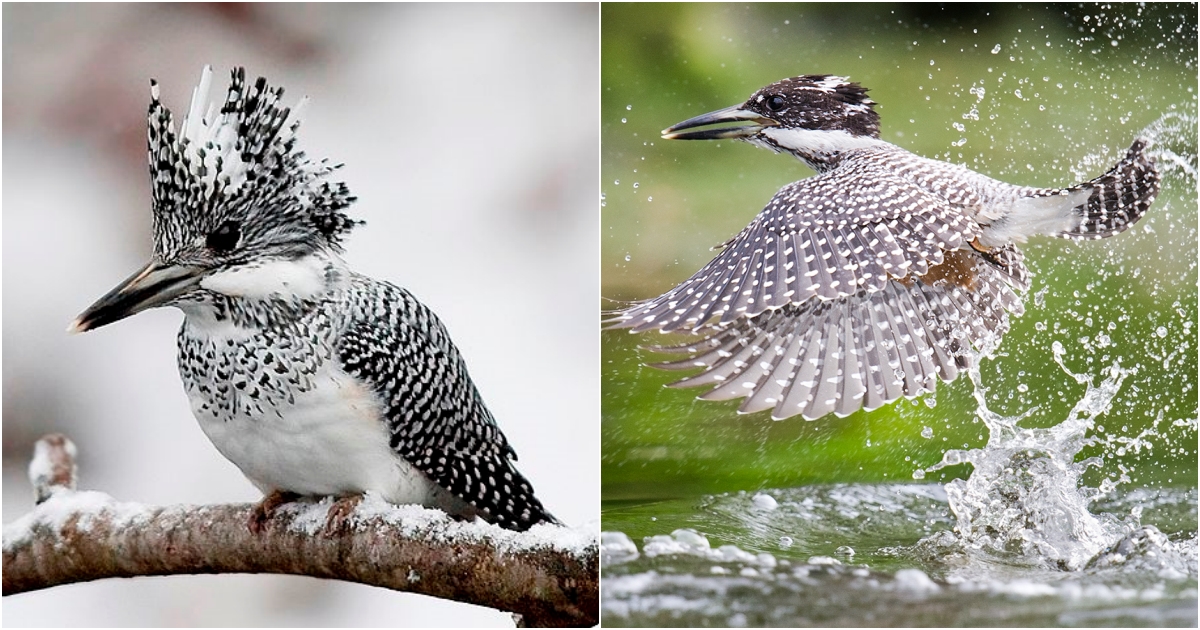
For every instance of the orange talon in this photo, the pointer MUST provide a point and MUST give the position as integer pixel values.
(338, 519)
(265, 509)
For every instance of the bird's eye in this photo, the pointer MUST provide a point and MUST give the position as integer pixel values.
(225, 237)
(775, 103)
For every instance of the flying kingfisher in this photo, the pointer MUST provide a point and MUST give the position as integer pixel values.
(312, 379)
(876, 277)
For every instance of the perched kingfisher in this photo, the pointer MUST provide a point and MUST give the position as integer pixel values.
(877, 276)
(310, 378)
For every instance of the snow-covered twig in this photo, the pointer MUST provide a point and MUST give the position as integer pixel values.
(548, 575)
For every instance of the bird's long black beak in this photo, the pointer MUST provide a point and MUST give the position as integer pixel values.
(153, 285)
(729, 114)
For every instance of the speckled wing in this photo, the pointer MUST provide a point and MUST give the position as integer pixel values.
(862, 350)
(436, 417)
(841, 233)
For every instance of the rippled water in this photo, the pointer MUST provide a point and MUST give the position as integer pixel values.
(1019, 542)
(886, 554)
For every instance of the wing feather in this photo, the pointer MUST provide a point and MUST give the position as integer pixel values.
(864, 350)
(435, 414)
(828, 232)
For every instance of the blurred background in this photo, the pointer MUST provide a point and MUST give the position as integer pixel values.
(469, 136)
(1032, 95)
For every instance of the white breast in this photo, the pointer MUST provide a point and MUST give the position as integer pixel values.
(330, 441)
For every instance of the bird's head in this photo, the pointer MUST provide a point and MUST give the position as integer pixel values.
(236, 206)
(807, 116)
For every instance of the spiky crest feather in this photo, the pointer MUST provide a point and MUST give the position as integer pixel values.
(239, 163)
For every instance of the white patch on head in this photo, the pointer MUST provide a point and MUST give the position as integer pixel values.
(832, 83)
(865, 106)
(820, 142)
(216, 134)
(301, 278)
(217, 137)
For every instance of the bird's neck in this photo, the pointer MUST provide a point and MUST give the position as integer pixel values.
(820, 149)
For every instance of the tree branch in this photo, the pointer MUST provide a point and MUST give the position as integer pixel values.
(548, 575)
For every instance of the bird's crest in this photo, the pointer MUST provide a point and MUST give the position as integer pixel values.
(239, 162)
(819, 101)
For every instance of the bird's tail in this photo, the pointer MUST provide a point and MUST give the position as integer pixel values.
(1117, 199)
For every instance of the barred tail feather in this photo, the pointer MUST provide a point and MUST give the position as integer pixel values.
(1118, 198)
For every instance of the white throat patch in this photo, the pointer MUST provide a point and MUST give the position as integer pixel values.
(820, 142)
(301, 278)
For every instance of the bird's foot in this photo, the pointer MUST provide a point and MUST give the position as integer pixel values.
(338, 519)
(265, 509)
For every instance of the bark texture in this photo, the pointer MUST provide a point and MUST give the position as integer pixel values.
(548, 577)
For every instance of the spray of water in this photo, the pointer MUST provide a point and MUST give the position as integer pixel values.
(1173, 145)
(1024, 499)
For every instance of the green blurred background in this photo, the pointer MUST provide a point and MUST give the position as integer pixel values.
(1064, 92)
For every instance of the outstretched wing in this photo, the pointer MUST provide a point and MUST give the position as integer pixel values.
(841, 233)
(862, 350)
(436, 417)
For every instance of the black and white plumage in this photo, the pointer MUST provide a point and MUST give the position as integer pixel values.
(873, 279)
(312, 379)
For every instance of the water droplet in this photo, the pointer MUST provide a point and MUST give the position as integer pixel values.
(628, 258)
(628, 107)
(996, 50)
(617, 182)
(918, 474)
(1161, 331)
(1039, 297)
(764, 502)
(927, 432)
(635, 185)
(623, 121)
(785, 542)
(845, 550)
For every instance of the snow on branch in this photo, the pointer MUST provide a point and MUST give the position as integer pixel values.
(547, 576)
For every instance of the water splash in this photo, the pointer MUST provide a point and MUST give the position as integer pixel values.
(1024, 501)
(1173, 145)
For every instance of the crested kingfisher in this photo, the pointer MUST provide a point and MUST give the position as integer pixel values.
(876, 277)
(312, 379)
